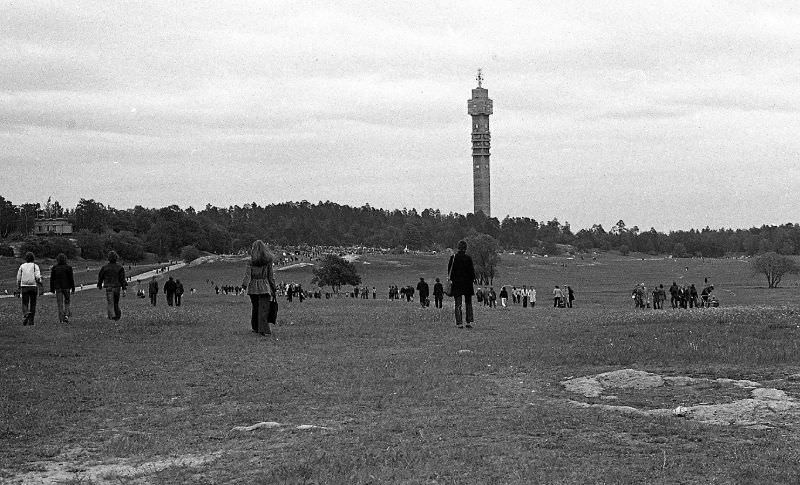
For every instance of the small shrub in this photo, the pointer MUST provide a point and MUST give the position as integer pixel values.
(6, 250)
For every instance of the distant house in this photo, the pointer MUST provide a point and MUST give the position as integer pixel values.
(56, 225)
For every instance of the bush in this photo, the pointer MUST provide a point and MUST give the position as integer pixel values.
(6, 250)
(189, 253)
(49, 247)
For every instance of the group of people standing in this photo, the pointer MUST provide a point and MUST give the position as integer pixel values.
(681, 296)
(173, 289)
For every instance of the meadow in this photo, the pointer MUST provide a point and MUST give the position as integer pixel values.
(378, 391)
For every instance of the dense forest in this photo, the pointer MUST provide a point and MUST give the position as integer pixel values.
(169, 230)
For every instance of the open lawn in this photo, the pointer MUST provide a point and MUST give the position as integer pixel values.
(395, 393)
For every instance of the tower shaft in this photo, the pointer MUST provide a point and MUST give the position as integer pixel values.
(479, 108)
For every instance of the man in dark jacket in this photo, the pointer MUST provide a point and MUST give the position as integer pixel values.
(438, 294)
(170, 287)
(424, 291)
(112, 277)
(62, 284)
(178, 292)
(462, 275)
(152, 291)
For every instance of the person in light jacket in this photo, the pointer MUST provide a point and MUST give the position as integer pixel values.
(29, 277)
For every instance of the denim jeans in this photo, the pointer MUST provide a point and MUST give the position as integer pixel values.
(29, 295)
(63, 300)
(470, 317)
(112, 302)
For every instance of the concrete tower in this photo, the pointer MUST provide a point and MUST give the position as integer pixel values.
(480, 107)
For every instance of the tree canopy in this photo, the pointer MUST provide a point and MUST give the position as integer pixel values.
(774, 267)
(166, 230)
(335, 272)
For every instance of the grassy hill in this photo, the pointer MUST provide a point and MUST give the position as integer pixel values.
(397, 393)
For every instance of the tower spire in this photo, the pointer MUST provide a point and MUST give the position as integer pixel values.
(479, 77)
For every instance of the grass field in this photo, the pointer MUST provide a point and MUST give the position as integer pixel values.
(397, 392)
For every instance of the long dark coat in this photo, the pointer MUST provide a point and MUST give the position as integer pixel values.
(462, 274)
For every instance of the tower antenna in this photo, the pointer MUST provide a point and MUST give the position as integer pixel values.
(479, 77)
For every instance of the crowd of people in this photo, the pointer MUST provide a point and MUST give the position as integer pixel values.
(681, 296)
(459, 284)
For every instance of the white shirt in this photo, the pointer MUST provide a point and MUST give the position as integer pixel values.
(28, 274)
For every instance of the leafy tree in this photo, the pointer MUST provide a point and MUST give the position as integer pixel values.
(91, 244)
(334, 271)
(126, 244)
(679, 250)
(189, 253)
(774, 267)
(483, 249)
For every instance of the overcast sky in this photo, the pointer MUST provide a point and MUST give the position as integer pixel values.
(665, 114)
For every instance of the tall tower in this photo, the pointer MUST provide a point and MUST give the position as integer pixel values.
(480, 107)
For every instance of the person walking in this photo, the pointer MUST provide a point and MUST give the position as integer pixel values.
(532, 296)
(62, 284)
(152, 291)
(29, 277)
(112, 277)
(461, 272)
(558, 296)
(492, 298)
(169, 288)
(570, 296)
(260, 284)
(423, 290)
(178, 292)
(438, 293)
(504, 297)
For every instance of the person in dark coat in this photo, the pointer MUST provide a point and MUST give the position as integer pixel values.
(462, 275)
(178, 292)
(112, 278)
(152, 291)
(62, 284)
(438, 293)
(424, 290)
(169, 288)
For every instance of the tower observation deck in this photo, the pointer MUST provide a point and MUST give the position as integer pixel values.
(480, 107)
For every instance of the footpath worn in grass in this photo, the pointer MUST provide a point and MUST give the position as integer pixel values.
(395, 397)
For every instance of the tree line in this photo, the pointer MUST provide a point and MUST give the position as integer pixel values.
(167, 231)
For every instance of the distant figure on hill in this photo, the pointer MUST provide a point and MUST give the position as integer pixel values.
(112, 277)
(462, 275)
(29, 277)
(504, 297)
(178, 292)
(438, 293)
(492, 298)
(260, 284)
(62, 284)
(152, 291)
(423, 291)
(169, 288)
(558, 296)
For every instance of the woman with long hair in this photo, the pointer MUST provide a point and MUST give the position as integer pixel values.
(260, 284)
